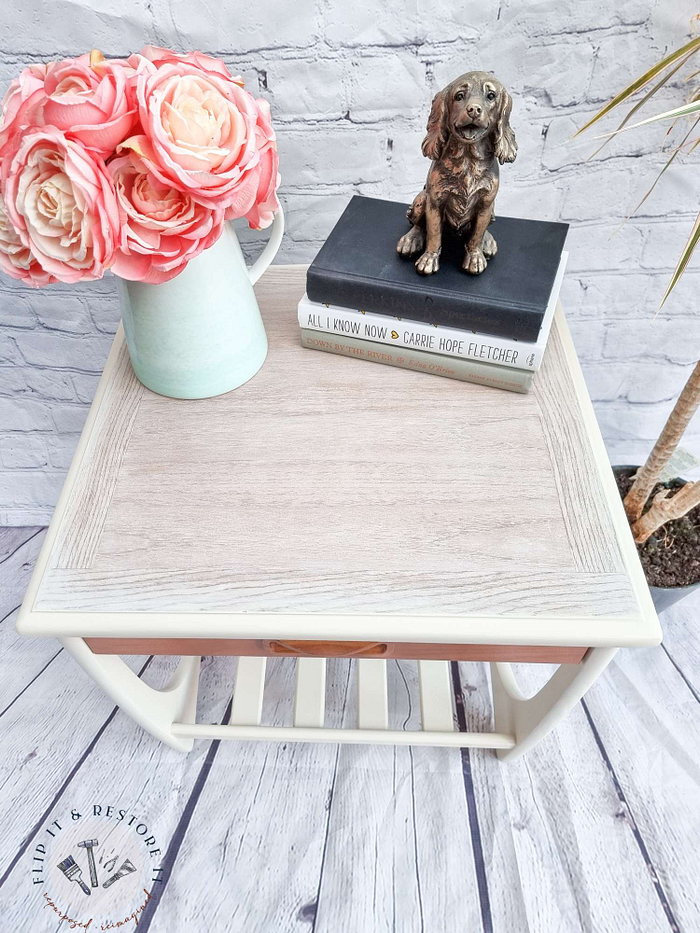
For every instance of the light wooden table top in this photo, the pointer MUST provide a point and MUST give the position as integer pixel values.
(334, 498)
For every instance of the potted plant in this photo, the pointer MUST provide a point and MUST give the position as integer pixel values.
(136, 166)
(665, 516)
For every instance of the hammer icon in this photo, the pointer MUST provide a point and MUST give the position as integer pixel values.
(88, 844)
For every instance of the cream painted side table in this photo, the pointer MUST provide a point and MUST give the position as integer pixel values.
(332, 508)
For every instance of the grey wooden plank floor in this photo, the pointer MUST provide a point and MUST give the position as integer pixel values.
(595, 830)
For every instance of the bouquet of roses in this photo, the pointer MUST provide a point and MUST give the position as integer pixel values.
(130, 165)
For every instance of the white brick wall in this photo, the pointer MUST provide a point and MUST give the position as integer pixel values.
(350, 85)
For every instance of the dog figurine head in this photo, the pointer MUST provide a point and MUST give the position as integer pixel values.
(470, 109)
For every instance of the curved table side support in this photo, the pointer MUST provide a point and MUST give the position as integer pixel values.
(154, 709)
(530, 719)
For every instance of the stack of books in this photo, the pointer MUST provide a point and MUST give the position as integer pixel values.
(365, 301)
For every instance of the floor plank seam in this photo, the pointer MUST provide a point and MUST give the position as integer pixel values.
(682, 675)
(178, 836)
(639, 839)
(20, 546)
(415, 840)
(474, 828)
(28, 685)
(10, 613)
(74, 770)
(328, 812)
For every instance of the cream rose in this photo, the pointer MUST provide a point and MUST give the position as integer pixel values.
(60, 200)
(16, 259)
(162, 228)
(198, 134)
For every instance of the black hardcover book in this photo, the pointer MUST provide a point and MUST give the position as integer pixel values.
(358, 267)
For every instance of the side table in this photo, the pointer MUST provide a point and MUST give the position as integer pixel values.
(332, 508)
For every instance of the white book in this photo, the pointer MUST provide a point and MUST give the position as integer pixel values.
(418, 335)
(436, 364)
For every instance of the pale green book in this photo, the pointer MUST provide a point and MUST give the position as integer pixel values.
(436, 364)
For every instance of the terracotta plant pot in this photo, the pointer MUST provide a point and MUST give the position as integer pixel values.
(663, 596)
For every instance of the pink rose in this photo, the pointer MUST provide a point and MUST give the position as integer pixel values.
(266, 204)
(162, 228)
(93, 103)
(198, 134)
(16, 259)
(24, 95)
(204, 62)
(61, 201)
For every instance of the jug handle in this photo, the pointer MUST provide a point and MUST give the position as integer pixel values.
(268, 254)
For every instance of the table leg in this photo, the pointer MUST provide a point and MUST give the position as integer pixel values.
(155, 710)
(530, 719)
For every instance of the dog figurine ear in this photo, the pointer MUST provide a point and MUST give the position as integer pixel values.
(436, 135)
(506, 146)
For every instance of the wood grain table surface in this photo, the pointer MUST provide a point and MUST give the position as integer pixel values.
(329, 497)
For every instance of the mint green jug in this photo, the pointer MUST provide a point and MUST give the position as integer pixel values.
(201, 333)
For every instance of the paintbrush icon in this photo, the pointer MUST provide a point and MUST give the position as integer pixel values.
(72, 871)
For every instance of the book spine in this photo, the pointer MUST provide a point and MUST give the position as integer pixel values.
(449, 310)
(417, 335)
(498, 377)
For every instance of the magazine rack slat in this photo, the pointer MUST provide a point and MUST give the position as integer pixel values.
(331, 508)
(246, 708)
(372, 694)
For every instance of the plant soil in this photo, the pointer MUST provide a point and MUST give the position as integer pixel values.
(671, 556)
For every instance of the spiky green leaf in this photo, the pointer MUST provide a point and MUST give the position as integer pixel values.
(684, 260)
(640, 82)
(637, 106)
(656, 180)
(684, 111)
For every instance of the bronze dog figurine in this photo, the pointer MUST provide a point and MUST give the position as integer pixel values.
(468, 134)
